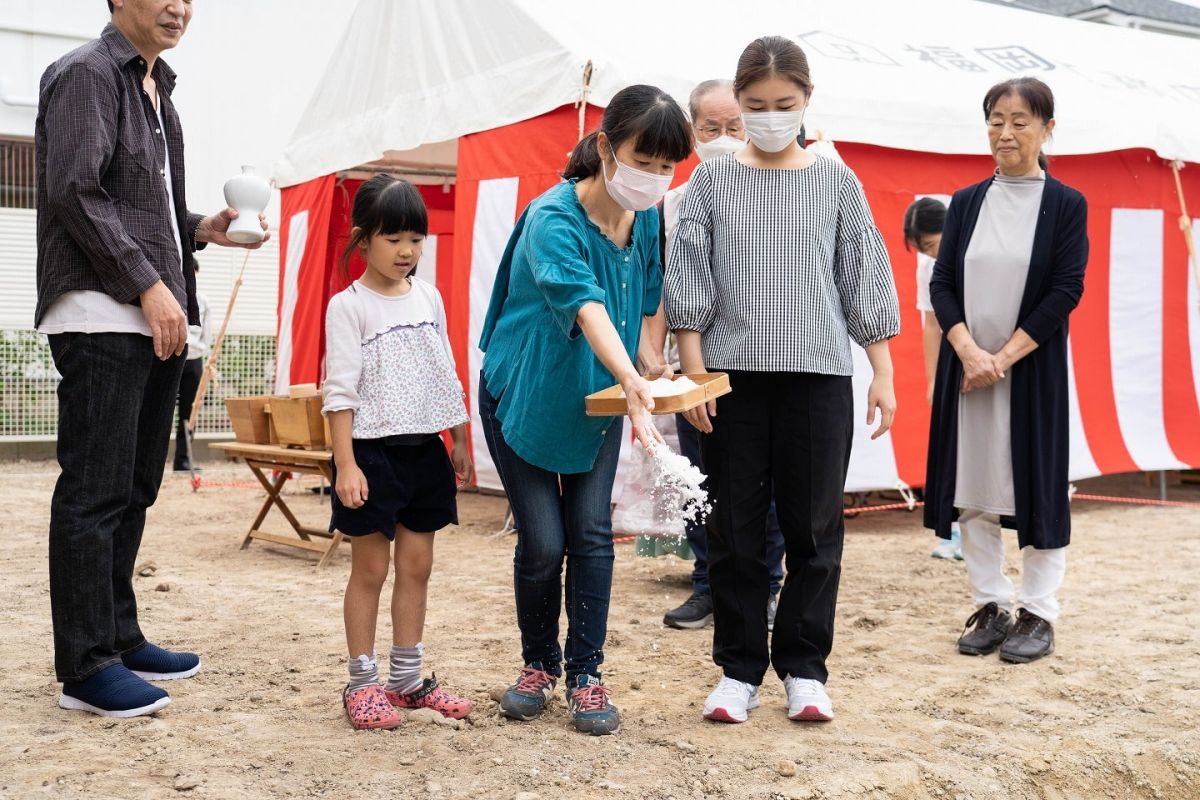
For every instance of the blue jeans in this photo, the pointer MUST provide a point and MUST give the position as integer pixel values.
(559, 517)
(689, 447)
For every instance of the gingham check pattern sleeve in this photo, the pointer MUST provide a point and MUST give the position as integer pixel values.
(688, 284)
(863, 271)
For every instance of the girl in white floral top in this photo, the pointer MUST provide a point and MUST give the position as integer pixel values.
(390, 391)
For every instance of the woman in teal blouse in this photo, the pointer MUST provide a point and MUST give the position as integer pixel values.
(578, 282)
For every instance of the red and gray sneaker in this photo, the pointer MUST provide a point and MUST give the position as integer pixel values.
(589, 706)
(526, 698)
(431, 695)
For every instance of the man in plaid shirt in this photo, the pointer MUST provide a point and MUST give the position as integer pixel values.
(116, 292)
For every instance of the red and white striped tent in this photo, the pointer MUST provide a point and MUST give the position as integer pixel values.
(486, 91)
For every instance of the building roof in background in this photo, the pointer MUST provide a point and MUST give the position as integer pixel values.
(1122, 12)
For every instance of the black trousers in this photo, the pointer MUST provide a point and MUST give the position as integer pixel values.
(115, 404)
(189, 382)
(792, 431)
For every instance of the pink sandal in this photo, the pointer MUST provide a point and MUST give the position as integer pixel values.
(430, 695)
(368, 708)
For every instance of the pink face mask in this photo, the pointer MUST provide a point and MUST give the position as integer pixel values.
(633, 189)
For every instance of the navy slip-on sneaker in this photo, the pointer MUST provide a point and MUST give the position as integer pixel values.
(150, 662)
(113, 692)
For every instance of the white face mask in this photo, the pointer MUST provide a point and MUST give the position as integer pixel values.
(718, 147)
(633, 189)
(772, 131)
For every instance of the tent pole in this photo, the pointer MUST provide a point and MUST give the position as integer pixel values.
(585, 89)
(1185, 224)
(384, 169)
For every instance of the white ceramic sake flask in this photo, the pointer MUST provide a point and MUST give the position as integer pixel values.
(249, 195)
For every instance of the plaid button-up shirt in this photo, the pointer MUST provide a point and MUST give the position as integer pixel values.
(102, 202)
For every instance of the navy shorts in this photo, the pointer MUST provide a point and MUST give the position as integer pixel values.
(408, 484)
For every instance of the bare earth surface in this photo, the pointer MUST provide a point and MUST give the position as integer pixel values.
(1113, 713)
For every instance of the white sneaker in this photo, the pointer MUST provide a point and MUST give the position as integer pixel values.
(807, 700)
(950, 548)
(731, 701)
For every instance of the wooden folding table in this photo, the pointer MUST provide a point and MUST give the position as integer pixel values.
(264, 458)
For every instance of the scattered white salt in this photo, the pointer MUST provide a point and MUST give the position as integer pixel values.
(677, 487)
(665, 387)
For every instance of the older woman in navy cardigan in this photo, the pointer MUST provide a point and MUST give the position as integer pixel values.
(1008, 274)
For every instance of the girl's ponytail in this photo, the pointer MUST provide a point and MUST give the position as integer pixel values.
(585, 158)
(644, 115)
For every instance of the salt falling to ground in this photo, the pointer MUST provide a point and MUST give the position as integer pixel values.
(677, 489)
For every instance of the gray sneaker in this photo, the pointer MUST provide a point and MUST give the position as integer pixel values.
(696, 612)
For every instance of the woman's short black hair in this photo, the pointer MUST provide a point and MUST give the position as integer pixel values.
(1036, 94)
(647, 115)
(384, 205)
(924, 217)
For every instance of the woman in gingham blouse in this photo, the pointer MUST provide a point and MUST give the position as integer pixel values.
(776, 264)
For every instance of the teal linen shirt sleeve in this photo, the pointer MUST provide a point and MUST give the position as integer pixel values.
(557, 256)
(652, 296)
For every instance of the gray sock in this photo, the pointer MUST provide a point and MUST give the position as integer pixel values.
(363, 671)
(404, 669)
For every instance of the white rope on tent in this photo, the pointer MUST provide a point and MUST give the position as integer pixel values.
(1185, 224)
(509, 527)
(585, 89)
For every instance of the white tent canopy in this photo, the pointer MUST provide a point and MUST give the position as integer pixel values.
(410, 76)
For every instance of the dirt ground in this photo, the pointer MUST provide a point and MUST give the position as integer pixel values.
(1113, 713)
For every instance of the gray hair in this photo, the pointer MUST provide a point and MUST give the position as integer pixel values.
(704, 89)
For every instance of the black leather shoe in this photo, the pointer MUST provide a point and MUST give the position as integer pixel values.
(1030, 639)
(991, 626)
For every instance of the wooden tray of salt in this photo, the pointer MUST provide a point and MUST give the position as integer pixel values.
(671, 395)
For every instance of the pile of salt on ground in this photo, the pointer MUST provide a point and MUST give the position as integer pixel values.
(677, 489)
